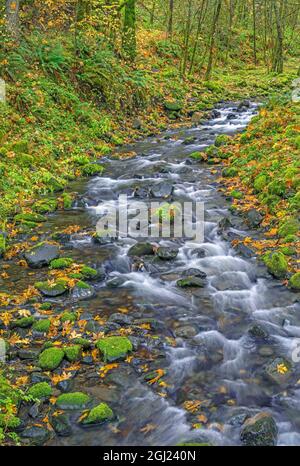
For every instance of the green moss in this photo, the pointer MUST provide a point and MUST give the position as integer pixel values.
(290, 239)
(289, 227)
(236, 194)
(73, 353)
(75, 400)
(40, 390)
(198, 156)
(91, 169)
(277, 187)
(20, 147)
(51, 358)
(86, 344)
(45, 306)
(276, 264)
(68, 317)
(24, 322)
(9, 421)
(112, 348)
(76, 275)
(2, 245)
(212, 152)
(45, 206)
(294, 282)
(260, 183)
(61, 263)
(82, 285)
(67, 200)
(230, 172)
(98, 414)
(88, 272)
(52, 289)
(29, 217)
(221, 140)
(173, 106)
(288, 250)
(42, 326)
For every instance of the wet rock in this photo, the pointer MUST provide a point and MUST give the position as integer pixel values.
(230, 281)
(41, 255)
(191, 282)
(194, 273)
(279, 370)
(52, 290)
(238, 419)
(115, 282)
(88, 360)
(244, 105)
(83, 291)
(73, 401)
(61, 425)
(199, 252)
(166, 253)
(65, 385)
(97, 415)
(254, 218)
(224, 224)
(93, 326)
(189, 140)
(215, 114)
(28, 354)
(36, 435)
(141, 249)
(37, 377)
(121, 319)
(114, 348)
(34, 410)
(162, 190)
(266, 351)
(259, 430)
(186, 331)
(197, 118)
(170, 277)
(257, 331)
(243, 250)
(231, 116)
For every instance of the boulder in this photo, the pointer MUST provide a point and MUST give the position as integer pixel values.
(259, 430)
(41, 255)
(141, 249)
(279, 370)
(162, 190)
(166, 253)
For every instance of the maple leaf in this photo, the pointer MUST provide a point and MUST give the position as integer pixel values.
(160, 373)
(148, 428)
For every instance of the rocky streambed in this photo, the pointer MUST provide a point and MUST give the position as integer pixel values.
(152, 342)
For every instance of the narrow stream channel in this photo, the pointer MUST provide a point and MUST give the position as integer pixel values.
(202, 340)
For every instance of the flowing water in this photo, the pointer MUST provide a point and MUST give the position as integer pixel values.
(215, 360)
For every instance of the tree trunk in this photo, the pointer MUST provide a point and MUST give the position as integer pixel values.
(129, 30)
(212, 39)
(170, 22)
(278, 55)
(254, 32)
(12, 18)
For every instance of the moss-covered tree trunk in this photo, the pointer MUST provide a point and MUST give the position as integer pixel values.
(129, 30)
(277, 65)
(12, 18)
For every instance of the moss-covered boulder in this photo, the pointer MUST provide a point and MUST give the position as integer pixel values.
(40, 390)
(42, 326)
(259, 430)
(230, 172)
(45, 206)
(75, 400)
(73, 353)
(41, 255)
(92, 169)
(24, 322)
(260, 183)
(61, 263)
(113, 348)
(294, 282)
(29, 217)
(276, 264)
(68, 317)
(173, 106)
(98, 415)
(51, 358)
(2, 244)
(83, 342)
(82, 291)
(141, 249)
(289, 227)
(222, 140)
(52, 289)
(88, 273)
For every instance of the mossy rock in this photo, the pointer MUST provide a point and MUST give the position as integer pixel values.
(20, 147)
(45, 206)
(276, 264)
(236, 194)
(73, 353)
(67, 200)
(113, 348)
(61, 263)
(212, 152)
(98, 415)
(42, 326)
(200, 156)
(230, 172)
(260, 183)
(29, 217)
(57, 288)
(83, 342)
(46, 306)
(51, 358)
(75, 400)
(288, 250)
(278, 188)
(9, 421)
(289, 227)
(68, 317)
(2, 244)
(173, 106)
(222, 140)
(91, 169)
(40, 390)
(88, 273)
(294, 282)
(24, 322)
